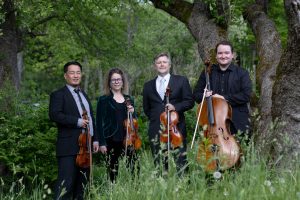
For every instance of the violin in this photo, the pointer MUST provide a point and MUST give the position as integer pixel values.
(84, 157)
(219, 150)
(131, 125)
(169, 120)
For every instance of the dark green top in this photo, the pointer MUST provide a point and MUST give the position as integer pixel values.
(108, 119)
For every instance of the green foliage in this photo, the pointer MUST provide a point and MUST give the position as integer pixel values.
(277, 13)
(254, 180)
(123, 34)
(27, 139)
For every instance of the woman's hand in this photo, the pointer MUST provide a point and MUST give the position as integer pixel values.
(103, 149)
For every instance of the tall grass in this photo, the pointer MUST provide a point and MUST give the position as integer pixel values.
(253, 180)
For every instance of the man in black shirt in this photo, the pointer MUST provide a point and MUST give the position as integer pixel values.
(229, 82)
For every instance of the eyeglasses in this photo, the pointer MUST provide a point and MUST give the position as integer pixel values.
(117, 80)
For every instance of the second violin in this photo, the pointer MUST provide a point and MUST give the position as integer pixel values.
(131, 125)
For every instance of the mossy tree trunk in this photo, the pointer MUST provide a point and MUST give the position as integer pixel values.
(286, 95)
(269, 50)
(9, 45)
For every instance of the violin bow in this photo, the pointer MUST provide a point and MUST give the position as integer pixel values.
(90, 152)
(91, 159)
(198, 117)
(127, 132)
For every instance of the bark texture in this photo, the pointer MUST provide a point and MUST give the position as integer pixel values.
(9, 43)
(286, 96)
(269, 50)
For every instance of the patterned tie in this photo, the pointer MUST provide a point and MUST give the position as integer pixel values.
(162, 88)
(80, 100)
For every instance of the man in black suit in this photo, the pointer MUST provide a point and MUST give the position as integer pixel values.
(180, 100)
(66, 108)
(229, 82)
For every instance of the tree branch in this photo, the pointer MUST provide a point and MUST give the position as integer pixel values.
(177, 8)
(223, 10)
(263, 4)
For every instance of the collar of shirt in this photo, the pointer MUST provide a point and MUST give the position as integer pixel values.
(166, 77)
(228, 69)
(71, 88)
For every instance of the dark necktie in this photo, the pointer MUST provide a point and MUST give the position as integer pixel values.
(80, 100)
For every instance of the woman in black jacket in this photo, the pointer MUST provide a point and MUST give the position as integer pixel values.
(111, 113)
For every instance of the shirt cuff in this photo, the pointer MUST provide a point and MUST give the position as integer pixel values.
(79, 122)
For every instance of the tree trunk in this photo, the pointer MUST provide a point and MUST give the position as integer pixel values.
(9, 43)
(268, 46)
(286, 96)
(199, 21)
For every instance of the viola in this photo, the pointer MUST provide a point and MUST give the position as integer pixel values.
(84, 157)
(131, 125)
(219, 150)
(169, 121)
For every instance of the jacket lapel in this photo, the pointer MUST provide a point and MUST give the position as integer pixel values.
(153, 87)
(71, 100)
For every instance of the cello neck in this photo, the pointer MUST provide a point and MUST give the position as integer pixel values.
(211, 118)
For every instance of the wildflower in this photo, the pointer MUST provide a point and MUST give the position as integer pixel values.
(226, 193)
(44, 196)
(281, 180)
(267, 183)
(45, 186)
(272, 189)
(48, 191)
(217, 175)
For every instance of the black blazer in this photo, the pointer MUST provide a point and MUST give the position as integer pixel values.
(239, 92)
(63, 110)
(106, 121)
(181, 97)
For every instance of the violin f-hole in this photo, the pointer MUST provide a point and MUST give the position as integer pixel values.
(222, 132)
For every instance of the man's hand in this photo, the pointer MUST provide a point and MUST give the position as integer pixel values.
(85, 122)
(170, 107)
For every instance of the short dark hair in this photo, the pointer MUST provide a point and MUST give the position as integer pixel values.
(224, 42)
(71, 63)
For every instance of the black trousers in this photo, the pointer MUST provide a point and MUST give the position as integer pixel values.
(115, 151)
(71, 179)
(160, 155)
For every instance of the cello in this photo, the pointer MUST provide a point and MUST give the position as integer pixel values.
(219, 149)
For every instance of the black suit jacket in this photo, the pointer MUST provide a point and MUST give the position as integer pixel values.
(181, 97)
(239, 92)
(63, 110)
